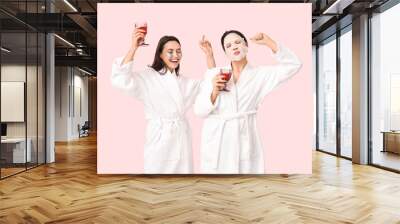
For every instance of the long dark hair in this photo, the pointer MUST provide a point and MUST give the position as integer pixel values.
(229, 32)
(158, 63)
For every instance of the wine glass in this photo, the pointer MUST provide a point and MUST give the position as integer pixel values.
(142, 26)
(227, 74)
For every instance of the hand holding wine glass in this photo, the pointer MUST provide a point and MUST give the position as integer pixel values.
(140, 34)
(137, 38)
(220, 80)
(226, 74)
(218, 83)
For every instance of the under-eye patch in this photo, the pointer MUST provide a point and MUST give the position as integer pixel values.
(170, 55)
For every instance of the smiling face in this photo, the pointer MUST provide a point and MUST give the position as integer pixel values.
(171, 55)
(235, 47)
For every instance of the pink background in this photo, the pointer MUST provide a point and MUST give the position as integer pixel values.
(285, 117)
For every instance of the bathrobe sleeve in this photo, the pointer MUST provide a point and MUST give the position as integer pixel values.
(272, 76)
(122, 77)
(203, 105)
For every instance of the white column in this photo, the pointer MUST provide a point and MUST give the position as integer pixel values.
(50, 99)
(360, 90)
(50, 92)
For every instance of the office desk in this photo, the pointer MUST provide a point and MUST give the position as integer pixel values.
(391, 141)
(13, 150)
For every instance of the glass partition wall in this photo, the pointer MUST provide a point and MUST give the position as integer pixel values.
(22, 90)
(334, 93)
(327, 95)
(345, 61)
(385, 89)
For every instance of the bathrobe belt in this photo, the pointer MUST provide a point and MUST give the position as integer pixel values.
(228, 117)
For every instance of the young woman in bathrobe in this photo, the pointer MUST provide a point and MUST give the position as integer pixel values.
(230, 140)
(166, 95)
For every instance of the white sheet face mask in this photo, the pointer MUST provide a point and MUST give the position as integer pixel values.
(235, 44)
(243, 52)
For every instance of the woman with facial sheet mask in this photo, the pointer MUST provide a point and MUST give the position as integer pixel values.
(230, 140)
(166, 95)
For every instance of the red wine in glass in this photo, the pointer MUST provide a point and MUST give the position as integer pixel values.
(143, 28)
(226, 75)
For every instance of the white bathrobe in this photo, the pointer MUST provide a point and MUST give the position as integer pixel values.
(230, 140)
(166, 98)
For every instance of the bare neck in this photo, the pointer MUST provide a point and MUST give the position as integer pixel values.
(237, 67)
(166, 68)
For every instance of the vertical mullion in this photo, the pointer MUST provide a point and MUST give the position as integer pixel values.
(317, 96)
(26, 86)
(73, 92)
(69, 91)
(45, 87)
(0, 95)
(80, 103)
(37, 89)
(338, 91)
(60, 88)
(369, 90)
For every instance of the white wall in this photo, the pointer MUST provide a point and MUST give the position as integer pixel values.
(69, 82)
(62, 80)
(10, 73)
(80, 102)
(15, 72)
(33, 127)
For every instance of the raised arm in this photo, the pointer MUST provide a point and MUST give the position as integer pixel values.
(206, 47)
(288, 64)
(137, 36)
(122, 76)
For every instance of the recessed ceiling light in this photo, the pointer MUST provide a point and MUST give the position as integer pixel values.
(70, 5)
(84, 71)
(338, 6)
(64, 40)
(5, 49)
